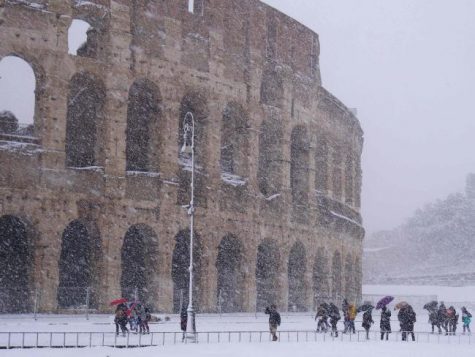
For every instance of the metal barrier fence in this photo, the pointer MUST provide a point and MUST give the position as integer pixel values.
(109, 339)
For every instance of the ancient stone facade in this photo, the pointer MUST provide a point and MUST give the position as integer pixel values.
(93, 203)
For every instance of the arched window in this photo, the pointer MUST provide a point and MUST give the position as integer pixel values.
(82, 39)
(299, 166)
(84, 120)
(196, 104)
(267, 272)
(142, 146)
(139, 262)
(17, 97)
(296, 276)
(181, 273)
(336, 276)
(269, 174)
(321, 288)
(15, 266)
(234, 143)
(79, 265)
(230, 278)
(321, 167)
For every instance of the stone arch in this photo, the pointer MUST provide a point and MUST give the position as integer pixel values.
(299, 166)
(296, 276)
(336, 276)
(349, 285)
(18, 96)
(267, 273)
(321, 288)
(195, 103)
(82, 39)
(139, 263)
(84, 120)
(15, 265)
(143, 112)
(269, 174)
(321, 167)
(79, 265)
(230, 277)
(234, 140)
(180, 270)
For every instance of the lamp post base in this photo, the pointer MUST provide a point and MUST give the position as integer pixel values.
(191, 326)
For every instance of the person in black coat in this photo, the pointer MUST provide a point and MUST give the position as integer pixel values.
(334, 318)
(367, 321)
(407, 318)
(274, 320)
(385, 323)
(183, 322)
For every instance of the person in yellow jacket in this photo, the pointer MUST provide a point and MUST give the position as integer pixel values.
(351, 318)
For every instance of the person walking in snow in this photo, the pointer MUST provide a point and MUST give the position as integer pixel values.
(442, 316)
(452, 320)
(367, 321)
(434, 320)
(183, 322)
(334, 318)
(407, 319)
(385, 323)
(274, 320)
(322, 318)
(466, 319)
(345, 311)
(120, 319)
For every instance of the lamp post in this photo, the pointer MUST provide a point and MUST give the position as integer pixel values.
(189, 128)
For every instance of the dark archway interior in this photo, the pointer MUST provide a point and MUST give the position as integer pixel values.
(139, 258)
(266, 275)
(75, 266)
(142, 112)
(320, 278)
(180, 272)
(296, 276)
(85, 104)
(299, 166)
(336, 276)
(270, 157)
(228, 265)
(321, 167)
(15, 264)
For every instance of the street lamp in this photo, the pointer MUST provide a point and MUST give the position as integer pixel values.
(189, 128)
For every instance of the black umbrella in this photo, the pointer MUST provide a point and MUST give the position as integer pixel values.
(431, 305)
(365, 307)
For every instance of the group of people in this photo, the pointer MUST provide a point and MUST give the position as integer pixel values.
(134, 314)
(328, 316)
(447, 318)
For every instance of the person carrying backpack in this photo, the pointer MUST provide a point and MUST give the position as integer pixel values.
(466, 319)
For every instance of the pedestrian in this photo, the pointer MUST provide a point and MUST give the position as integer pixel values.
(274, 320)
(452, 320)
(322, 318)
(346, 319)
(466, 319)
(183, 322)
(120, 319)
(334, 318)
(385, 323)
(142, 319)
(442, 316)
(407, 318)
(351, 318)
(434, 320)
(367, 321)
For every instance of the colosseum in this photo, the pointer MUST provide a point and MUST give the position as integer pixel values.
(94, 194)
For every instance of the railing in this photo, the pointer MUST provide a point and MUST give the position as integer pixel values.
(109, 339)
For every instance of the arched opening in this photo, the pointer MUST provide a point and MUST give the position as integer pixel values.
(321, 288)
(230, 279)
(180, 270)
(82, 39)
(336, 277)
(269, 174)
(139, 261)
(299, 167)
(296, 275)
(321, 167)
(142, 122)
(349, 179)
(337, 177)
(267, 272)
(79, 265)
(349, 286)
(234, 141)
(17, 97)
(196, 104)
(84, 120)
(15, 266)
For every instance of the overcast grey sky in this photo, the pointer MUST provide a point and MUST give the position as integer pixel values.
(409, 68)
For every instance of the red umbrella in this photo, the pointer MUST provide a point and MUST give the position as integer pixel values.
(118, 301)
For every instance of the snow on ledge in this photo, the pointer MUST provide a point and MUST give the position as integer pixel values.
(270, 198)
(346, 218)
(233, 180)
(143, 173)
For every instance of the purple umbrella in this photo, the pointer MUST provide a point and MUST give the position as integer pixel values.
(384, 301)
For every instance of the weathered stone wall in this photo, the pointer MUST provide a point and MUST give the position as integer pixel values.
(236, 60)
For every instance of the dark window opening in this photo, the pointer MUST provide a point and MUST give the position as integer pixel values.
(83, 39)
(267, 272)
(84, 120)
(15, 266)
(270, 158)
(299, 167)
(349, 179)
